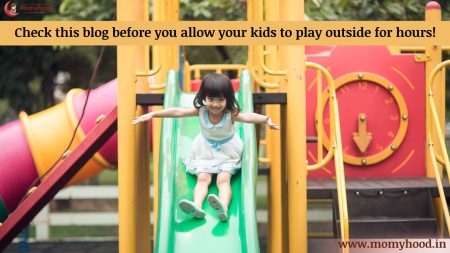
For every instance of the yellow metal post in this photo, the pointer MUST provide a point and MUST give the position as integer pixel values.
(174, 52)
(142, 142)
(254, 13)
(167, 56)
(434, 55)
(292, 58)
(158, 55)
(128, 170)
(251, 48)
(276, 233)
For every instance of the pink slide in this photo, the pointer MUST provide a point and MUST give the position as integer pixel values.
(33, 143)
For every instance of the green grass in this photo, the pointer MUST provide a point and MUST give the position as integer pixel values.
(65, 232)
(261, 202)
(61, 232)
(108, 177)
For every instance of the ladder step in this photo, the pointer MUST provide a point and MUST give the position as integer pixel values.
(393, 228)
(390, 220)
(388, 213)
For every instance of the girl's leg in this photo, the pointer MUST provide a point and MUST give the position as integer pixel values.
(223, 183)
(201, 188)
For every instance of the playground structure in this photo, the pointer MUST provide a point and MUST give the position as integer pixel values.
(409, 121)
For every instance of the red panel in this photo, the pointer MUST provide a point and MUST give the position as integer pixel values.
(405, 74)
(195, 84)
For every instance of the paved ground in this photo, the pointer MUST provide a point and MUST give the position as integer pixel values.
(110, 246)
(314, 245)
(76, 247)
(94, 246)
(65, 247)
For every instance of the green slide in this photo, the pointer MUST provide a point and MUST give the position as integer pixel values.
(179, 232)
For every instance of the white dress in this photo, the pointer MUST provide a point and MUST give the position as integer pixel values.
(217, 148)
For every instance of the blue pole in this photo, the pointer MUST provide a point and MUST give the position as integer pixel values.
(23, 239)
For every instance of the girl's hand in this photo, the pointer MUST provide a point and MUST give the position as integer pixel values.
(272, 125)
(141, 118)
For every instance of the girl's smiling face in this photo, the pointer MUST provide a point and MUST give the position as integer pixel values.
(216, 105)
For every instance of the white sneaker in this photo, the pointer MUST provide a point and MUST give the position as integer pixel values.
(190, 207)
(215, 203)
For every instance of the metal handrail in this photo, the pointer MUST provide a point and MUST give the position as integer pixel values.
(198, 68)
(152, 72)
(268, 70)
(320, 164)
(266, 85)
(439, 183)
(339, 167)
(441, 141)
(419, 48)
(439, 158)
(430, 80)
(335, 150)
(263, 84)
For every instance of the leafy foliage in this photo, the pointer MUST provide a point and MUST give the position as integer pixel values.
(213, 10)
(369, 9)
(33, 76)
(85, 10)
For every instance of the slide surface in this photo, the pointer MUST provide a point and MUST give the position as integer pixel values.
(179, 232)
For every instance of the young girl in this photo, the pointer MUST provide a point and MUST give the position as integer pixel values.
(217, 149)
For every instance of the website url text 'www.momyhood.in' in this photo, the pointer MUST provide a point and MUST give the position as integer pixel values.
(396, 244)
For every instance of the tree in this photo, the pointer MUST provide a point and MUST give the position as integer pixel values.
(214, 10)
(369, 9)
(32, 74)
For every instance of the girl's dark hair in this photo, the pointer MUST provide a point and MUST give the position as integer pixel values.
(217, 86)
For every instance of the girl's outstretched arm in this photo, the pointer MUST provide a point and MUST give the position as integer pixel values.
(257, 119)
(175, 112)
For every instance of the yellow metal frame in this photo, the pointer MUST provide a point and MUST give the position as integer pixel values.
(441, 140)
(433, 54)
(166, 57)
(413, 49)
(152, 87)
(400, 101)
(150, 72)
(269, 87)
(263, 84)
(266, 69)
(277, 222)
(198, 68)
(291, 57)
(335, 135)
